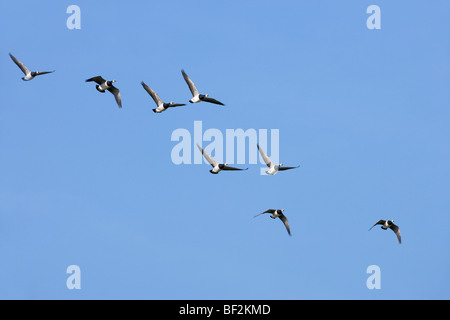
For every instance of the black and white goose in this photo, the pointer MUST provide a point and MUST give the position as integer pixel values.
(272, 167)
(161, 106)
(196, 96)
(278, 213)
(389, 224)
(103, 85)
(217, 167)
(29, 75)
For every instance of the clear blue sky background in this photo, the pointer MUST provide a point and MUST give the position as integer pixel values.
(365, 112)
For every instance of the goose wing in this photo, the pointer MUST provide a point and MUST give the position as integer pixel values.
(212, 101)
(97, 79)
(208, 158)
(38, 73)
(286, 222)
(286, 168)
(267, 211)
(153, 94)
(191, 84)
(177, 105)
(396, 230)
(378, 222)
(116, 93)
(232, 168)
(266, 159)
(20, 65)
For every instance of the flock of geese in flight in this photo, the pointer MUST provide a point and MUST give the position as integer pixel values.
(161, 106)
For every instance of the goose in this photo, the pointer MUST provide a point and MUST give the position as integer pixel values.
(389, 224)
(161, 106)
(197, 97)
(272, 167)
(278, 213)
(217, 167)
(104, 85)
(29, 75)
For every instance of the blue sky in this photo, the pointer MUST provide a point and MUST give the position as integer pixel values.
(364, 112)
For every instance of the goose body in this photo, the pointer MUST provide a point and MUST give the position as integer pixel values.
(278, 213)
(217, 167)
(160, 105)
(389, 224)
(29, 75)
(103, 85)
(272, 167)
(196, 96)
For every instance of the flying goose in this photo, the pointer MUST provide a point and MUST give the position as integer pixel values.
(272, 167)
(197, 97)
(389, 224)
(104, 85)
(161, 106)
(217, 167)
(29, 75)
(278, 213)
